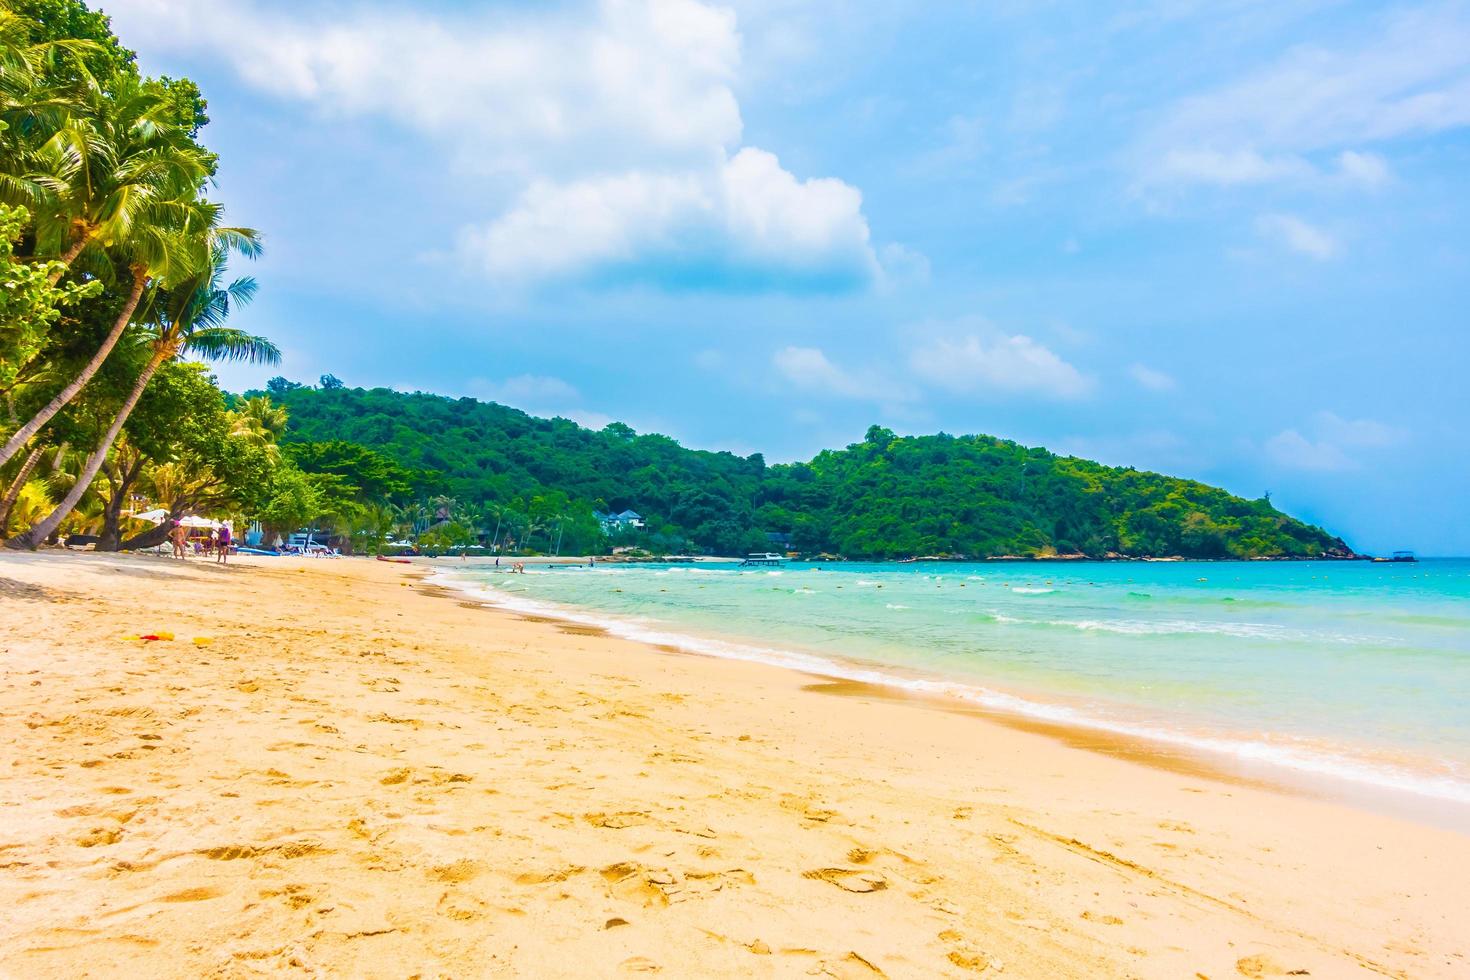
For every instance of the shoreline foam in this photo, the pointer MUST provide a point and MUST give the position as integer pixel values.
(1326, 766)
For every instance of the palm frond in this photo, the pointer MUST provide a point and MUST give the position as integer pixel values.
(231, 344)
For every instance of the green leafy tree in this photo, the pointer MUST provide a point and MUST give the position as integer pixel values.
(188, 317)
(120, 179)
(30, 299)
(180, 444)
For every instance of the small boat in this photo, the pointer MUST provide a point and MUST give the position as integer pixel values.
(1398, 557)
(763, 558)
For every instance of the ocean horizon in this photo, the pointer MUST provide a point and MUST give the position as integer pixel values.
(1349, 672)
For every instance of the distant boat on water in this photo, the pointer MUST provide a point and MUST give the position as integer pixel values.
(763, 558)
(1398, 556)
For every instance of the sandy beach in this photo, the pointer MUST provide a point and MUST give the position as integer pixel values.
(354, 773)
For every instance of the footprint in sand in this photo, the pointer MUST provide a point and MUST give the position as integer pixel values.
(456, 871)
(853, 966)
(808, 808)
(99, 836)
(713, 881)
(201, 894)
(237, 852)
(296, 896)
(972, 960)
(547, 877)
(461, 908)
(853, 880)
(617, 821)
(1260, 966)
(439, 777)
(634, 883)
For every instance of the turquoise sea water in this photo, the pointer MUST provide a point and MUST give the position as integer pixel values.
(1347, 670)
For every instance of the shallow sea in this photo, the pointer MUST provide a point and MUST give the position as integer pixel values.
(1349, 671)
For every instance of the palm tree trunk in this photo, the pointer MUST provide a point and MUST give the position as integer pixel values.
(23, 435)
(127, 474)
(47, 527)
(13, 493)
(70, 256)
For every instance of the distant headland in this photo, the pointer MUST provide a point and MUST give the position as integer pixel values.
(545, 485)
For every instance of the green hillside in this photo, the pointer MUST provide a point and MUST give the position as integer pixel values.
(885, 497)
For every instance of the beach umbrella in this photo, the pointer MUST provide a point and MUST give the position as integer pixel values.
(193, 521)
(157, 516)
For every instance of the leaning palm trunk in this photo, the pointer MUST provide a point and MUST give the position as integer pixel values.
(13, 493)
(23, 435)
(38, 534)
(69, 256)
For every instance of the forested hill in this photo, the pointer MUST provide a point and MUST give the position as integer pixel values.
(885, 497)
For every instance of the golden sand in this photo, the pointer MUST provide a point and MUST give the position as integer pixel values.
(334, 770)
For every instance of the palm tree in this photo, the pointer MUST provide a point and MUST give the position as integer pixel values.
(41, 85)
(119, 162)
(189, 317)
(120, 179)
(22, 478)
(258, 422)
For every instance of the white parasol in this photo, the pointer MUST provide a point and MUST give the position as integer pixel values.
(152, 516)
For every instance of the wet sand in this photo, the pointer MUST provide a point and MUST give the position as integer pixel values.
(359, 775)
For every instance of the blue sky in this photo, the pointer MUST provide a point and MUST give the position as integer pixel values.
(1227, 240)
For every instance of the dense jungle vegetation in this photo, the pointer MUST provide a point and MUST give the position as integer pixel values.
(885, 497)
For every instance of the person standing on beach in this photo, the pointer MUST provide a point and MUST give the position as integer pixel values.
(178, 535)
(225, 536)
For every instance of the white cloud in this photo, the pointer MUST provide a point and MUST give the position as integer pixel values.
(1237, 167)
(974, 365)
(526, 389)
(813, 373)
(1151, 379)
(809, 368)
(636, 78)
(749, 219)
(1357, 433)
(1298, 236)
(1331, 439)
(1229, 167)
(903, 266)
(1409, 75)
(616, 119)
(1295, 451)
(1367, 169)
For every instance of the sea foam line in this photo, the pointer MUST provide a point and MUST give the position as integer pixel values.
(1316, 763)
